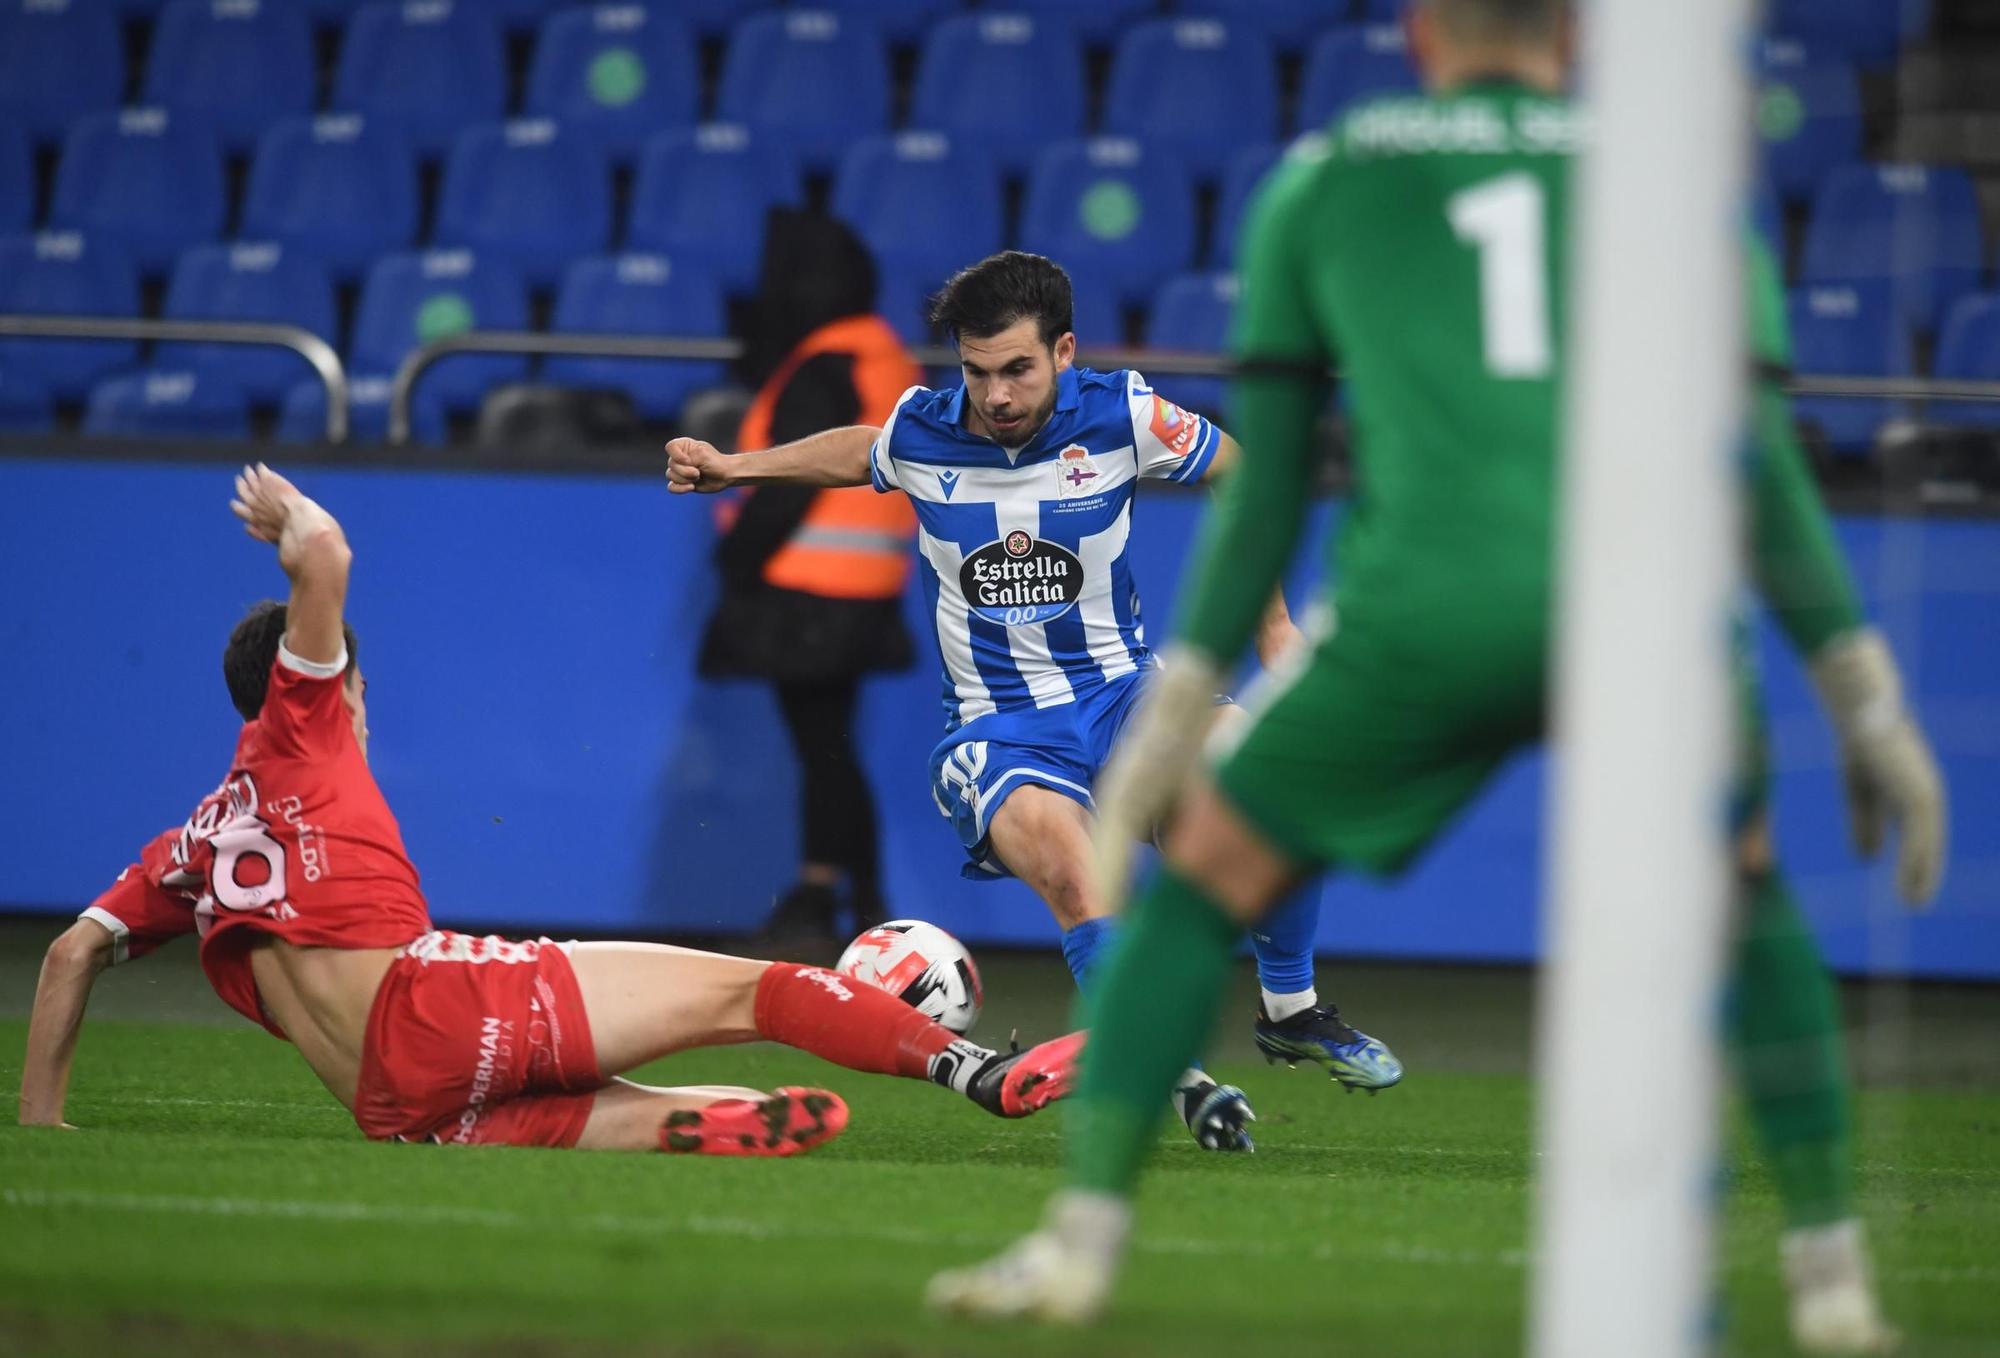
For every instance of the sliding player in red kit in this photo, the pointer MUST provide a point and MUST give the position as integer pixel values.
(312, 923)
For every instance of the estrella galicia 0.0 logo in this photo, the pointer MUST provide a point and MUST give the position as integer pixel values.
(1021, 580)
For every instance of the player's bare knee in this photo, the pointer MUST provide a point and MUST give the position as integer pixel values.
(1044, 839)
(1070, 893)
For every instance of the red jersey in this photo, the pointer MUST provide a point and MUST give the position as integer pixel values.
(297, 843)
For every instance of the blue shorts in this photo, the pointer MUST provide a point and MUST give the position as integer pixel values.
(978, 766)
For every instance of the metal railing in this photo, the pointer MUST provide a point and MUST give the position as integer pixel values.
(333, 374)
(314, 350)
(1154, 362)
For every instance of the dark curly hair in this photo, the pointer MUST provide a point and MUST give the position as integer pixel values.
(1001, 289)
(253, 649)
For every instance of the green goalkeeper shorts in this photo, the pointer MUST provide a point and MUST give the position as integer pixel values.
(1363, 755)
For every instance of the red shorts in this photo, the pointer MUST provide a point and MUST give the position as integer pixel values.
(478, 1042)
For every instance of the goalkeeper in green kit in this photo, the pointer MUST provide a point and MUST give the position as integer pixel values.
(1421, 247)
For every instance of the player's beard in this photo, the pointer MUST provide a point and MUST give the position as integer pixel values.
(1023, 432)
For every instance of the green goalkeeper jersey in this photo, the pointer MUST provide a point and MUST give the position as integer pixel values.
(1421, 248)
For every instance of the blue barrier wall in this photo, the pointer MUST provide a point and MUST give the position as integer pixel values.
(557, 766)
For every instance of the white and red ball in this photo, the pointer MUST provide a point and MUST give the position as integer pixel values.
(922, 965)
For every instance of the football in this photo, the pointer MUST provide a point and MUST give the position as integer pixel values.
(929, 969)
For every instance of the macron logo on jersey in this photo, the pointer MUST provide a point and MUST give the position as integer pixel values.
(947, 482)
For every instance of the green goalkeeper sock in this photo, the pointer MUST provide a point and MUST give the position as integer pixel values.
(1151, 1007)
(1785, 1038)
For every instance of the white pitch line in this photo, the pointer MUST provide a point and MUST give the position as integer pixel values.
(404, 1214)
(134, 1100)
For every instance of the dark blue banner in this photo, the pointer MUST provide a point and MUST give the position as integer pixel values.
(538, 728)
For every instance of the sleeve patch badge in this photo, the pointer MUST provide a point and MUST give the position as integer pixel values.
(1174, 427)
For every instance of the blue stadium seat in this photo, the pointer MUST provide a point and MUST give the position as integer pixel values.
(254, 281)
(808, 80)
(1196, 87)
(521, 16)
(1288, 24)
(302, 418)
(146, 179)
(615, 74)
(1348, 65)
(59, 59)
(167, 403)
(416, 297)
(1095, 22)
(431, 67)
(1010, 83)
(239, 63)
(709, 18)
(638, 294)
(17, 179)
(896, 20)
(1916, 226)
(1969, 351)
(924, 206)
(340, 186)
(1240, 177)
(527, 192)
(1810, 120)
(1110, 208)
(1191, 315)
(26, 406)
(1777, 53)
(62, 273)
(704, 192)
(905, 304)
(1096, 315)
(1848, 330)
(1867, 31)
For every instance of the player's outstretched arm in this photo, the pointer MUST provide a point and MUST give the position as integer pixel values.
(1891, 775)
(313, 553)
(69, 969)
(833, 457)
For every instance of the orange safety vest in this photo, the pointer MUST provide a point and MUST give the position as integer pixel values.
(853, 543)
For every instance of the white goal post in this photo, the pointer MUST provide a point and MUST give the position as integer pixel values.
(1628, 1055)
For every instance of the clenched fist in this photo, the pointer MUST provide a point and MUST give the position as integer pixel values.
(696, 466)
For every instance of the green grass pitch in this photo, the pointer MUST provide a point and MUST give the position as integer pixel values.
(219, 1202)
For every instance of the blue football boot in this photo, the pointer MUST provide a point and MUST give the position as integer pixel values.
(1319, 1034)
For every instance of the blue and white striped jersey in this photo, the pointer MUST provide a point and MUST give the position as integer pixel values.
(1028, 580)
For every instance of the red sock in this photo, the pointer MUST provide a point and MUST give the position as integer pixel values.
(846, 1022)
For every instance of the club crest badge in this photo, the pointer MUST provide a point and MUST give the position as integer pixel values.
(1076, 475)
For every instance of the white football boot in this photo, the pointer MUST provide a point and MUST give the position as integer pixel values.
(1832, 1288)
(1062, 1273)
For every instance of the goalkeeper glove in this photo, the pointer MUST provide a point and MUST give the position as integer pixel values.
(1890, 772)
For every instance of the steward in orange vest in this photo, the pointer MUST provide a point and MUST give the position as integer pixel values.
(812, 580)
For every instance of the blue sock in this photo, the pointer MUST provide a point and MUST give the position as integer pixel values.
(1084, 947)
(1284, 942)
